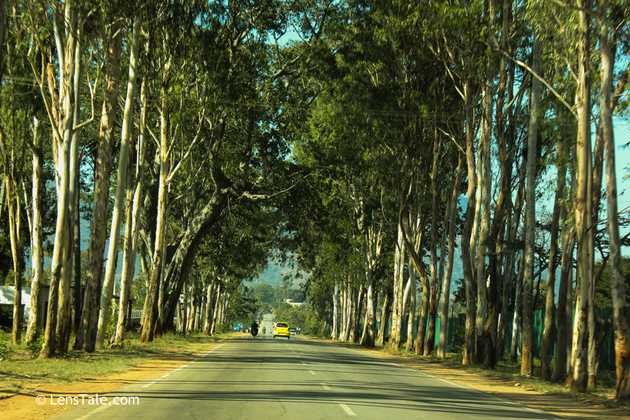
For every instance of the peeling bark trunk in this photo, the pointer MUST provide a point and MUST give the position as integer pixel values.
(335, 321)
(131, 235)
(583, 201)
(385, 314)
(215, 311)
(565, 309)
(530, 219)
(150, 311)
(397, 303)
(424, 311)
(448, 274)
(62, 137)
(13, 204)
(122, 176)
(86, 339)
(467, 230)
(367, 337)
(558, 214)
(411, 311)
(208, 309)
(37, 258)
(622, 335)
(516, 319)
(64, 322)
(430, 338)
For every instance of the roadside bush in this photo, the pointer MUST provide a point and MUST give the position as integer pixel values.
(35, 347)
(4, 349)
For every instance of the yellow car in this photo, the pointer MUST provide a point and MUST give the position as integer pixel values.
(281, 329)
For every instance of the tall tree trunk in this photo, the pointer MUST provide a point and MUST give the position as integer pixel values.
(127, 269)
(424, 311)
(411, 311)
(565, 309)
(86, 339)
(510, 275)
(622, 335)
(37, 258)
(397, 303)
(77, 291)
(64, 320)
(433, 296)
(451, 218)
(558, 214)
(384, 319)
(180, 264)
(367, 337)
(13, 201)
(131, 236)
(335, 321)
(484, 194)
(516, 319)
(467, 229)
(121, 188)
(208, 309)
(355, 296)
(583, 202)
(63, 128)
(150, 311)
(530, 219)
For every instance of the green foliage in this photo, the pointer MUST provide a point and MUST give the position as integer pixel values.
(243, 305)
(303, 317)
(603, 298)
(4, 348)
(35, 347)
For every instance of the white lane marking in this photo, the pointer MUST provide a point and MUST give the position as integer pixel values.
(467, 388)
(491, 396)
(347, 409)
(208, 353)
(96, 410)
(213, 349)
(148, 384)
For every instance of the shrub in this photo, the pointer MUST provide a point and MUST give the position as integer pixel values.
(4, 349)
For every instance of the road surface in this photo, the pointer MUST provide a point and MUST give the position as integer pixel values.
(260, 379)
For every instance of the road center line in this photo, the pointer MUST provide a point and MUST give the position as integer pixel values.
(347, 409)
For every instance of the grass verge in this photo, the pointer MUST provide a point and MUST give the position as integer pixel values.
(21, 369)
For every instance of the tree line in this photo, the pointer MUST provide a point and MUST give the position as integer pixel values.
(476, 135)
(155, 127)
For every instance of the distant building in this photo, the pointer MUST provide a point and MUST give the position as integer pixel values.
(290, 302)
(6, 304)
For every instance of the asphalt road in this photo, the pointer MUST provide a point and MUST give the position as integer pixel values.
(262, 379)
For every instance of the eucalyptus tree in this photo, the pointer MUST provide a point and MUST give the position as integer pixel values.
(18, 104)
(120, 201)
(58, 87)
(456, 47)
(612, 15)
(111, 35)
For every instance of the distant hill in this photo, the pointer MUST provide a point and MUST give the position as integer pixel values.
(275, 271)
